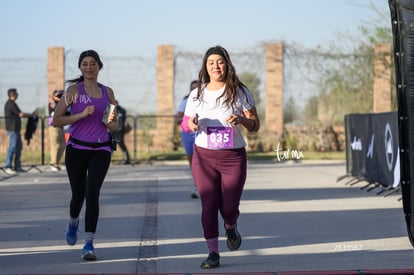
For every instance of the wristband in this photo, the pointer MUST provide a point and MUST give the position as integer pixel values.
(254, 126)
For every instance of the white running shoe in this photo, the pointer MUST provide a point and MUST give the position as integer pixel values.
(53, 168)
(9, 171)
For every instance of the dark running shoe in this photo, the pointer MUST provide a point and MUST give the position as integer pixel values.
(234, 239)
(212, 261)
(194, 193)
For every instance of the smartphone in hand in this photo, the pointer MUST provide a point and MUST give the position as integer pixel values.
(109, 109)
(196, 119)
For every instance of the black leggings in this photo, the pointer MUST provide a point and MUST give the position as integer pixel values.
(86, 170)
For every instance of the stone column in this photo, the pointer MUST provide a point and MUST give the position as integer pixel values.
(382, 79)
(273, 126)
(55, 69)
(165, 100)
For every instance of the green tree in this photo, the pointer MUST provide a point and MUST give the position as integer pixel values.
(346, 76)
(290, 111)
(310, 112)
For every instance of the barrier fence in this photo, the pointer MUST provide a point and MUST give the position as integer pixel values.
(372, 152)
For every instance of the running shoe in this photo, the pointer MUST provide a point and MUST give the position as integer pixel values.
(194, 193)
(88, 253)
(72, 234)
(234, 239)
(212, 261)
(54, 168)
(9, 171)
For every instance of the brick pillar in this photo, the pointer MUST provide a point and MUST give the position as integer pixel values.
(55, 69)
(165, 100)
(382, 78)
(274, 92)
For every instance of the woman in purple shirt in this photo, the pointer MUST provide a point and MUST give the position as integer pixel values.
(88, 151)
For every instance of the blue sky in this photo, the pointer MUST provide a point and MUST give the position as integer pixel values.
(130, 29)
(136, 27)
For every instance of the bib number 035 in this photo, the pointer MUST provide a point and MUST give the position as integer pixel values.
(220, 137)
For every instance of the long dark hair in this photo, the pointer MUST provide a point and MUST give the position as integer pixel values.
(232, 80)
(84, 54)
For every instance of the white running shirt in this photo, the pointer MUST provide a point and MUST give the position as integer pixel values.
(214, 131)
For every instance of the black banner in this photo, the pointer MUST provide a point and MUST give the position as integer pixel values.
(372, 147)
(357, 139)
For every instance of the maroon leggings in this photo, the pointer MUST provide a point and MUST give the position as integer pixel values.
(219, 176)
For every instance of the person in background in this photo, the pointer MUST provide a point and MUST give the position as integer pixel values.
(218, 110)
(187, 136)
(89, 149)
(119, 134)
(13, 116)
(56, 134)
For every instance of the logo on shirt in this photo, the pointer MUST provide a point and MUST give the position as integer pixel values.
(70, 99)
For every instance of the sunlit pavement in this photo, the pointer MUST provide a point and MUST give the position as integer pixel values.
(296, 218)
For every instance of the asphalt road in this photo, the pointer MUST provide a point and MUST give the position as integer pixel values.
(294, 217)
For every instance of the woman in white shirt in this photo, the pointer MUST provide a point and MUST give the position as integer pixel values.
(218, 109)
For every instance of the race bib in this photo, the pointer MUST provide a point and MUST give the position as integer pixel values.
(220, 137)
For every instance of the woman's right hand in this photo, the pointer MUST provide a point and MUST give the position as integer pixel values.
(192, 124)
(89, 110)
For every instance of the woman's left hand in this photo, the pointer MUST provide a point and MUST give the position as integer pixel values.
(235, 119)
(111, 117)
(112, 122)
